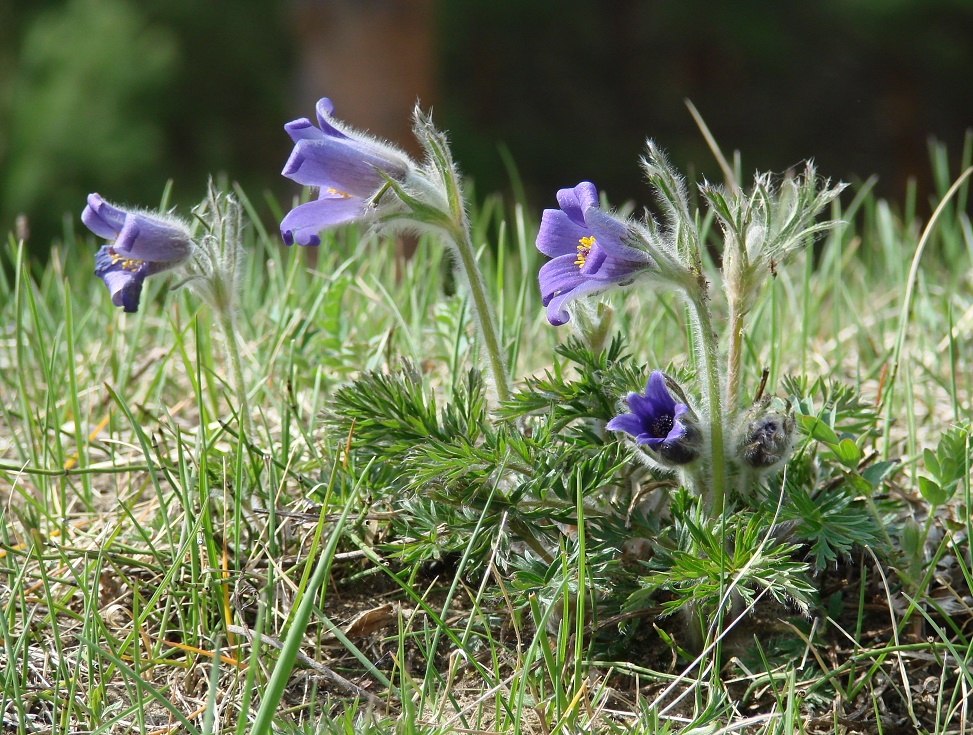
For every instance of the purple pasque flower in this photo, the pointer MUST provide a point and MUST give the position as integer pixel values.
(588, 250)
(669, 429)
(139, 245)
(349, 169)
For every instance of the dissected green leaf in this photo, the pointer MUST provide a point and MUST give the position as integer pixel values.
(832, 522)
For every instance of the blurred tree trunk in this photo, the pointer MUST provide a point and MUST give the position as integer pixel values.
(373, 58)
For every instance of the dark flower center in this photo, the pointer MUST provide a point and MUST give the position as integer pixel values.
(661, 426)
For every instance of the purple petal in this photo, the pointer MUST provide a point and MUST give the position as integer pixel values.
(609, 269)
(102, 218)
(594, 260)
(646, 439)
(325, 111)
(122, 276)
(655, 403)
(148, 238)
(577, 200)
(641, 406)
(560, 274)
(344, 165)
(303, 129)
(302, 224)
(610, 234)
(678, 427)
(556, 314)
(657, 394)
(558, 235)
(627, 422)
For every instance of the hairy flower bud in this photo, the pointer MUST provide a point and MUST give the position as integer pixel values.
(215, 271)
(767, 434)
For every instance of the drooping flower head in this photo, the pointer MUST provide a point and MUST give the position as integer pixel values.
(348, 168)
(589, 251)
(139, 245)
(667, 428)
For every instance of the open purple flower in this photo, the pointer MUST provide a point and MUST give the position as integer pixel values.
(667, 428)
(348, 169)
(139, 245)
(588, 250)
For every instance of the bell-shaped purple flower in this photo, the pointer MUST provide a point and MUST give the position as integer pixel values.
(669, 429)
(588, 250)
(139, 245)
(349, 170)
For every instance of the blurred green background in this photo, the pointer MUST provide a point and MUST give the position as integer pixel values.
(118, 96)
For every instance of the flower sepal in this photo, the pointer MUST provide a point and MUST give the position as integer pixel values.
(420, 213)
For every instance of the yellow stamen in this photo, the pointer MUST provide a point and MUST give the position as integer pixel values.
(339, 193)
(584, 247)
(128, 264)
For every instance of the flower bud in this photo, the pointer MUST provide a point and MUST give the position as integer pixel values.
(767, 435)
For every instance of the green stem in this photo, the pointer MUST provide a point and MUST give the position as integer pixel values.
(235, 364)
(708, 357)
(484, 317)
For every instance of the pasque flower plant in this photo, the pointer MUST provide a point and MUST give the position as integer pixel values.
(592, 251)
(540, 459)
(361, 179)
(143, 243)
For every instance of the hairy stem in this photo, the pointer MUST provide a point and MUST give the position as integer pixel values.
(734, 359)
(484, 316)
(707, 352)
(235, 364)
